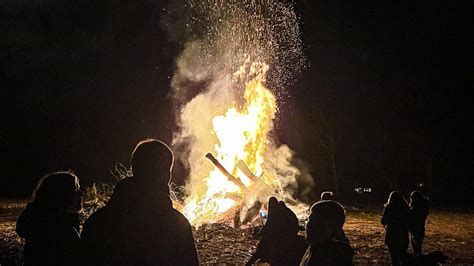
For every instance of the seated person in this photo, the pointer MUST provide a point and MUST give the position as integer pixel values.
(321, 232)
(280, 243)
(335, 209)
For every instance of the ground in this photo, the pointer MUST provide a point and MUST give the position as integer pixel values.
(450, 231)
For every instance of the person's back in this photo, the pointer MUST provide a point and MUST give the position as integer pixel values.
(280, 243)
(139, 225)
(50, 223)
(337, 213)
(331, 253)
(419, 207)
(419, 210)
(397, 220)
(322, 230)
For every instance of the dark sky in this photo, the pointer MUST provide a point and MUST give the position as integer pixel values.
(83, 81)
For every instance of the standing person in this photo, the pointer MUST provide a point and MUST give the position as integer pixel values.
(50, 222)
(139, 225)
(396, 219)
(321, 234)
(419, 207)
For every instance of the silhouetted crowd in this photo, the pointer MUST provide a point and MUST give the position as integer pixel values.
(139, 225)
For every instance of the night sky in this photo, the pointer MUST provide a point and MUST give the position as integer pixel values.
(386, 87)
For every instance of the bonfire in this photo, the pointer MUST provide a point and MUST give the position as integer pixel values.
(238, 185)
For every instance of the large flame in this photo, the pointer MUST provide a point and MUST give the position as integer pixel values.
(242, 132)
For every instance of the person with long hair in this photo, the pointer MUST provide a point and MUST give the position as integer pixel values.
(396, 219)
(50, 222)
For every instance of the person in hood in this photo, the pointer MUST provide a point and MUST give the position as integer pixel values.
(334, 209)
(322, 230)
(139, 225)
(50, 222)
(280, 243)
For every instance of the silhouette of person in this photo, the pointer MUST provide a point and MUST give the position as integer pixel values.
(322, 229)
(327, 195)
(397, 221)
(419, 207)
(139, 225)
(337, 211)
(50, 222)
(280, 243)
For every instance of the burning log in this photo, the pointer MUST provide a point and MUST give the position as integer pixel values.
(246, 171)
(233, 196)
(255, 179)
(221, 168)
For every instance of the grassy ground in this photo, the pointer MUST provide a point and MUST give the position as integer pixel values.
(451, 232)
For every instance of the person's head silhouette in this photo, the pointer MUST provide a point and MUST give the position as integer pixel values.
(327, 195)
(152, 162)
(396, 199)
(58, 191)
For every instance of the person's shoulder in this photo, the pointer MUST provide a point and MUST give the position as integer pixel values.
(123, 188)
(125, 183)
(180, 218)
(95, 220)
(28, 210)
(23, 223)
(335, 206)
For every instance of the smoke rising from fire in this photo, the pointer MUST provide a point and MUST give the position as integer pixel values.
(219, 39)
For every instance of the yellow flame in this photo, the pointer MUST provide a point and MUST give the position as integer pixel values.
(243, 134)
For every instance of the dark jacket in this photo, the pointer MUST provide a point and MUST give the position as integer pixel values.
(331, 253)
(51, 237)
(334, 212)
(280, 243)
(139, 226)
(397, 221)
(419, 212)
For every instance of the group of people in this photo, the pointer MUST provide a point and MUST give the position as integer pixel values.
(325, 242)
(402, 222)
(139, 225)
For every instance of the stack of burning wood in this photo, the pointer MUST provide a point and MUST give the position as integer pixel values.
(251, 202)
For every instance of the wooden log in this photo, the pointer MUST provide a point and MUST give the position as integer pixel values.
(226, 173)
(233, 196)
(246, 171)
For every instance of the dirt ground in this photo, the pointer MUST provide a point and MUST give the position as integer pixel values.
(451, 232)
